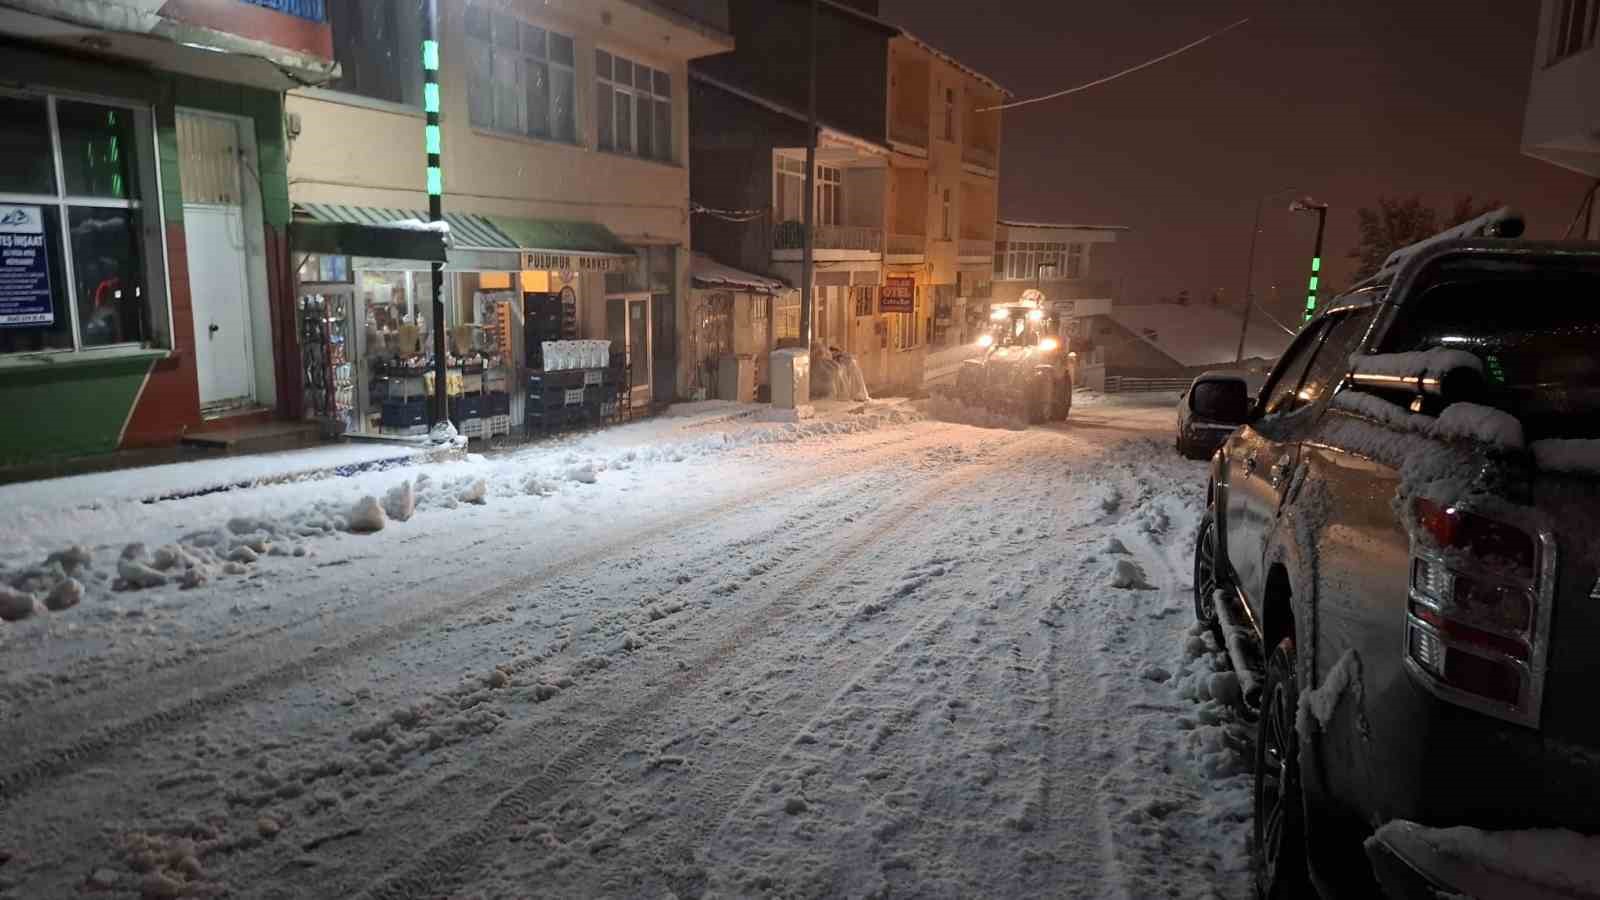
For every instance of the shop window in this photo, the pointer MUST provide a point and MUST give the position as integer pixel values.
(81, 250)
(633, 106)
(521, 77)
(378, 44)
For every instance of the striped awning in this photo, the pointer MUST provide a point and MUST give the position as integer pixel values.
(467, 231)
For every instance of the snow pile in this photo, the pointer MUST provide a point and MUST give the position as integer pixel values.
(1558, 861)
(1472, 421)
(1318, 705)
(1435, 363)
(950, 408)
(837, 377)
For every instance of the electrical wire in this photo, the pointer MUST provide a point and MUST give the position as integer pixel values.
(1109, 78)
(738, 216)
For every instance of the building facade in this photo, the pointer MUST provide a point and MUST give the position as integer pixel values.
(565, 169)
(1562, 122)
(905, 187)
(143, 215)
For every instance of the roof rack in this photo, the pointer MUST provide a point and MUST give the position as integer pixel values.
(1504, 222)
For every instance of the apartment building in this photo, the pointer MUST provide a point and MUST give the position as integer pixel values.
(905, 188)
(565, 170)
(1562, 122)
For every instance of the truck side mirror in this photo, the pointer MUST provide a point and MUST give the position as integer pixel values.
(1225, 402)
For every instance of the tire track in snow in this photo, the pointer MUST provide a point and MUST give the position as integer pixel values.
(438, 869)
(327, 650)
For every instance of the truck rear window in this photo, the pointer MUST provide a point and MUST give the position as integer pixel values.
(1535, 327)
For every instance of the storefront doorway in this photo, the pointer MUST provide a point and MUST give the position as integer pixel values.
(226, 261)
(628, 329)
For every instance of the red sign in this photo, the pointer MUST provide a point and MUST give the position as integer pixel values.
(899, 295)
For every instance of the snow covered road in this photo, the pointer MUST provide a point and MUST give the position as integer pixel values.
(871, 655)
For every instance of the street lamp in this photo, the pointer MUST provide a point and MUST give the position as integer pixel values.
(1321, 209)
(1250, 272)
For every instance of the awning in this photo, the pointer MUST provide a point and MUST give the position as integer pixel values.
(559, 237)
(467, 231)
(706, 272)
(355, 239)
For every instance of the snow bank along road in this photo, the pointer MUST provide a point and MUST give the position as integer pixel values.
(871, 655)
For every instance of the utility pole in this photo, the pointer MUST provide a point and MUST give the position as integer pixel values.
(433, 142)
(807, 288)
(1249, 283)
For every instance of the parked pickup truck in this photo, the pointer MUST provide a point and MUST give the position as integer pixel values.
(1401, 554)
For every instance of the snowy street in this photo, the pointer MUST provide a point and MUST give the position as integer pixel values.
(870, 654)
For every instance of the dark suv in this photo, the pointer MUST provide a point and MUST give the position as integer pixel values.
(1401, 553)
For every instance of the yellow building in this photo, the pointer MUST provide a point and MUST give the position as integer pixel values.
(565, 162)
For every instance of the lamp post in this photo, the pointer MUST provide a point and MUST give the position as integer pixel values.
(433, 141)
(1250, 273)
(807, 286)
(1321, 209)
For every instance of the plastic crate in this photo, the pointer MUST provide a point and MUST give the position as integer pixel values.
(494, 425)
(404, 414)
(497, 403)
(474, 428)
(468, 406)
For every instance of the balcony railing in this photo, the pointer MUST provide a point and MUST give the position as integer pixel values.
(974, 247)
(907, 245)
(913, 133)
(792, 236)
(979, 156)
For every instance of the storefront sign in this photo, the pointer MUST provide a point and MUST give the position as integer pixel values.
(899, 295)
(559, 262)
(24, 268)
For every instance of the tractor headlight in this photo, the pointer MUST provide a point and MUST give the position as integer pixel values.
(1049, 343)
(999, 315)
(1035, 315)
(985, 340)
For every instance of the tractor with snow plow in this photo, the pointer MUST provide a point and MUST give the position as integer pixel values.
(1024, 366)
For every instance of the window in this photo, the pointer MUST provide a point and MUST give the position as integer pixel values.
(788, 189)
(949, 114)
(81, 251)
(633, 104)
(1333, 360)
(520, 78)
(1283, 386)
(866, 299)
(944, 230)
(904, 330)
(1075, 255)
(830, 196)
(378, 44)
(1574, 27)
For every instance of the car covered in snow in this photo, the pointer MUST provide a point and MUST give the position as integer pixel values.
(1209, 411)
(1401, 555)
(1024, 364)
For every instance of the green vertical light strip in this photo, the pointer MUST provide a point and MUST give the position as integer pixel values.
(430, 55)
(434, 142)
(1311, 287)
(435, 182)
(1316, 264)
(430, 98)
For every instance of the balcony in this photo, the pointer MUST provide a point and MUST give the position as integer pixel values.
(831, 241)
(977, 249)
(983, 157)
(912, 134)
(907, 247)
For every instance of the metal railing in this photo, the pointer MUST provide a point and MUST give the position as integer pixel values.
(979, 156)
(792, 236)
(1117, 384)
(973, 247)
(907, 245)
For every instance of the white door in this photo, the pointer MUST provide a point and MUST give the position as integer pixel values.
(211, 150)
(221, 298)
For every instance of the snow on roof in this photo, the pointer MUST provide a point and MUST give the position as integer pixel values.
(1200, 334)
(707, 272)
(1015, 223)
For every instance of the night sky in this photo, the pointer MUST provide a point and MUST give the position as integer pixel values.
(1341, 99)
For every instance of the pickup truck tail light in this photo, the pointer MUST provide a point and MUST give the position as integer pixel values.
(1473, 610)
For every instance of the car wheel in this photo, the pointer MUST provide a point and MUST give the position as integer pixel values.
(1207, 577)
(1279, 837)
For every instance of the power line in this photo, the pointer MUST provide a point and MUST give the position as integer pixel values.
(1129, 71)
